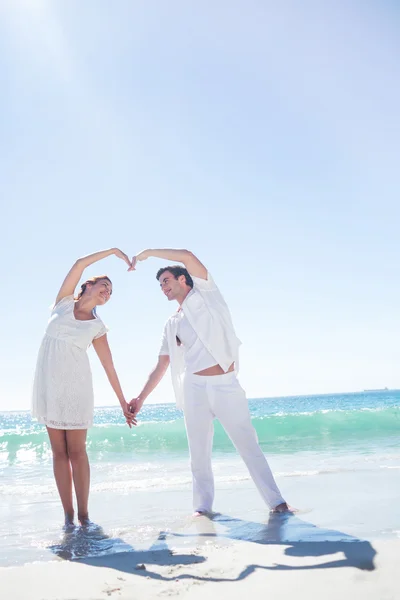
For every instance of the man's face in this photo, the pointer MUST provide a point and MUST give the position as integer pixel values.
(170, 286)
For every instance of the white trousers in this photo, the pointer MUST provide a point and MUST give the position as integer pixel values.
(221, 397)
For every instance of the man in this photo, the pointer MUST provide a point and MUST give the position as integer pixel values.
(200, 344)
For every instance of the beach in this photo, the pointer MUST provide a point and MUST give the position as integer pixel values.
(239, 570)
(336, 459)
(181, 183)
(220, 566)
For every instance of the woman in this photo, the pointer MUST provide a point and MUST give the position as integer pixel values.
(63, 391)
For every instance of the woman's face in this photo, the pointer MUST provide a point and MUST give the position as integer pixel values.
(100, 291)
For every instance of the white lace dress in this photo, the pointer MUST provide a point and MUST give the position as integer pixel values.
(63, 389)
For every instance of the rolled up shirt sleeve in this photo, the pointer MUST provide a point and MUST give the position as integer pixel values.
(204, 285)
(210, 292)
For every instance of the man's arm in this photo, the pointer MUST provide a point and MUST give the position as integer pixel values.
(153, 380)
(190, 261)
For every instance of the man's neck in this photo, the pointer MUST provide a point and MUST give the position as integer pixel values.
(181, 299)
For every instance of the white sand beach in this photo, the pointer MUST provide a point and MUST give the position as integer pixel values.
(238, 570)
(221, 557)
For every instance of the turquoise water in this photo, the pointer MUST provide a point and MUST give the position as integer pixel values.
(337, 455)
(285, 425)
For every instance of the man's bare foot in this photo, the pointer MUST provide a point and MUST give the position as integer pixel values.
(200, 513)
(283, 508)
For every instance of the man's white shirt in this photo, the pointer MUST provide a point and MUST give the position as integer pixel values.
(208, 314)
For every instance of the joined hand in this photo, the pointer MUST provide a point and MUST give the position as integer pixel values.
(134, 406)
(138, 258)
(129, 416)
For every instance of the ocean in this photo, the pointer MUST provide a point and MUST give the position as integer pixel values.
(335, 457)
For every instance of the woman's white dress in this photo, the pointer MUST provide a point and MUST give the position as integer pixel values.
(63, 388)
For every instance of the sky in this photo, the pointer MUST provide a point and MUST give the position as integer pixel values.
(263, 136)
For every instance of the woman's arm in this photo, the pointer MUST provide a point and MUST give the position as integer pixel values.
(72, 279)
(104, 353)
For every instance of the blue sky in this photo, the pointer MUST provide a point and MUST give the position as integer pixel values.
(264, 136)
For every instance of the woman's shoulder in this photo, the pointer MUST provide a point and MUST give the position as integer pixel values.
(64, 303)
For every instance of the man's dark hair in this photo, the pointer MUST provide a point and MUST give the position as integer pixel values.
(176, 271)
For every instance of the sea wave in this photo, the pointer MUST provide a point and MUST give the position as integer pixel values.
(276, 433)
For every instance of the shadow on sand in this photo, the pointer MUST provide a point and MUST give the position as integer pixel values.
(91, 546)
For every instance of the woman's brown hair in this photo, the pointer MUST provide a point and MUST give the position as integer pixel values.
(93, 280)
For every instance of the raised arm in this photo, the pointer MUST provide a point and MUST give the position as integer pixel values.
(190, 261)
(72, 279)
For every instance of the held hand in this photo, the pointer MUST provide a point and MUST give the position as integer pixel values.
(129, 417)
(138, 258)
(123, 256)
(134, 406)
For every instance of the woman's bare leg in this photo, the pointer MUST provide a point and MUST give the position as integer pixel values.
(62, 471)
(76, 447)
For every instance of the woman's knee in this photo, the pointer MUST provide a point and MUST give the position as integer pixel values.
(77, 454)
(60, 454)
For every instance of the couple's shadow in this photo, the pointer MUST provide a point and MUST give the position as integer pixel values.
(300, 538)
(92, 546)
